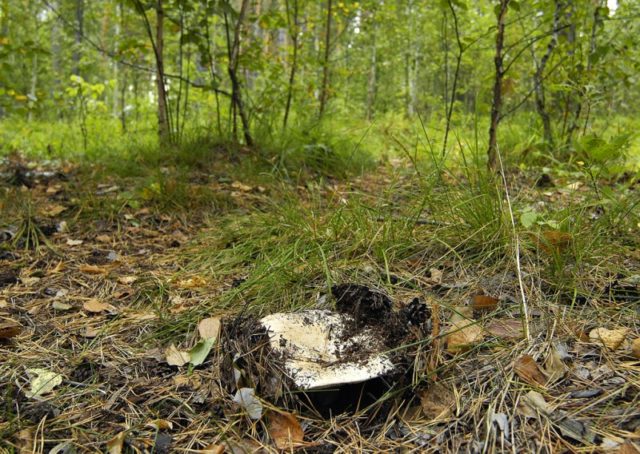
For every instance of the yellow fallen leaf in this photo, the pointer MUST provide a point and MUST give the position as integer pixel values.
(209, 327)
(26, 442)
(114, 446)
(192, 282)
(60, 306)
(175, 357)
(103, 239)
(72, 242)
(54, 189)
(53, 210)
(160, 424)
(610, 338)
(554, 366)
(89, 332)
(463, 334)
(95, 306)
(42, 382)
(60, 267)
(241, 186)
(92, 269)
(127, 280)
(534, 403)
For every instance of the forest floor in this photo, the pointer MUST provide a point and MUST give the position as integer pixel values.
(105, 281)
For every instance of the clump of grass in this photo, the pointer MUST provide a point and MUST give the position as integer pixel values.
(27, 228)
(318, 148)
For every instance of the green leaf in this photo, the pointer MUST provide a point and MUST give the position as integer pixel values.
(528, 218)
(200, 351)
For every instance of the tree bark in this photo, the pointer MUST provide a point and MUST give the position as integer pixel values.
(77, 54)
(582, 89)
(538, 79)
(164, 129)
(234, 54)
(492, 151)
(293, 31)
(372, 85)
(456, 76)
(324, 91)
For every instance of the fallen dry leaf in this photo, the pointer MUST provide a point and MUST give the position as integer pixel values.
(53, 189)
(532, 403)
(29, 281)
(90, 332)
(193, 282)
(92, 269)
(484, 303)
(114, 446)
(506, 329)
(241, 186)
(60, 306)
(435, 276)
(53, 210)
(42, 382)
(72, 242)
(554, 366)
(26, 442)
(60, 267)
(95, 306)
(528, 370)
(463, 334)
(437, 401)
(160, 424)
(9, 329)
(554, 241)
(610, 338)
(628, 447)
(285, 430)
(209, 327)
(127, 280)
(103, 239)
(635, 348)
(175, 357)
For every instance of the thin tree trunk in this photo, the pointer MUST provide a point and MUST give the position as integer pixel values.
(214, 77)
(177, 124)
(456, 76)
(164, 129)
(234, 54)
(411, 70)
(77, 54)
(123, 104)
(293, 30)
(324, 91)
(157, 43)
(582, 89)
(538, 79)
(372, 86)
(34, 82)
(492, 156)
